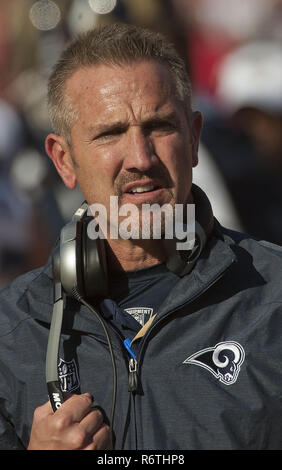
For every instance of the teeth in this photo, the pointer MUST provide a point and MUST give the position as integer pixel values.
(142, 189)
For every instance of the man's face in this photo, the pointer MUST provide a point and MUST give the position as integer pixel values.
(132, 138)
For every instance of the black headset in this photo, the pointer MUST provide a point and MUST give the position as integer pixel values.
(81, 260)
(79, 270)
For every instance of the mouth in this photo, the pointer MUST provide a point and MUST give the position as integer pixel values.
(139, 191)
(143, 189)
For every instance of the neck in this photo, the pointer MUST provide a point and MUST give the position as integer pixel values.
(128, 255)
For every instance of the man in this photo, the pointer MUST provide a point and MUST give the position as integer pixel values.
(204, 372)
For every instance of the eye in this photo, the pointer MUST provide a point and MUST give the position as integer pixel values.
(110, 133)
(160, 127)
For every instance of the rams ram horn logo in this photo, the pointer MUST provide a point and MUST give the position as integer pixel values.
(224, 360)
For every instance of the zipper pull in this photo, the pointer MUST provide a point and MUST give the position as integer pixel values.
(133, 378)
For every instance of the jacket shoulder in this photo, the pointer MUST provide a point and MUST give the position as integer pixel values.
(258, 257)
(253, 244)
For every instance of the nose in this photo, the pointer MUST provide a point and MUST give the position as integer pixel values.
(139, 154)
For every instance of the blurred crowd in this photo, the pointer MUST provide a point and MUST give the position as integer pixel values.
(232, 50)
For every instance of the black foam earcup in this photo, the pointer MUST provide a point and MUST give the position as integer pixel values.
(82, 264)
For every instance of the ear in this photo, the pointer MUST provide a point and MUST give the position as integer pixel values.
(196, 128)
(59, 152)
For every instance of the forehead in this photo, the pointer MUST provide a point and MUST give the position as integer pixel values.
(107, 86)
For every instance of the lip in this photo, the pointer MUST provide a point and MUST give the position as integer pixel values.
(138, 198)
(141, 183)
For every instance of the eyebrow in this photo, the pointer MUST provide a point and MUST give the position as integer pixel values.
(158, 119)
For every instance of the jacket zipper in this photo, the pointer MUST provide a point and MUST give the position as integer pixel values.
(133, 377)
(132, 366)
(132, 363)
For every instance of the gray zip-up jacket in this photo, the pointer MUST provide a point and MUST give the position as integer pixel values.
(209, 368)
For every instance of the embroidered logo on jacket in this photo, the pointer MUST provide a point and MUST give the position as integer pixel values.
(224, 360)
(68, 375)
(141, 314)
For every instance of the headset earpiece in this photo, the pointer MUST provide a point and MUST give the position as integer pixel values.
(82, 260)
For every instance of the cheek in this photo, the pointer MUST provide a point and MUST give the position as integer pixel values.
(175, 153)
(179, 164)
(96, 177)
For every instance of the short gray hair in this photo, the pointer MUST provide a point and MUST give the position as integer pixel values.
(114, 44)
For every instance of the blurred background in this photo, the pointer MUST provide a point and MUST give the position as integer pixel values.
(233, 54)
